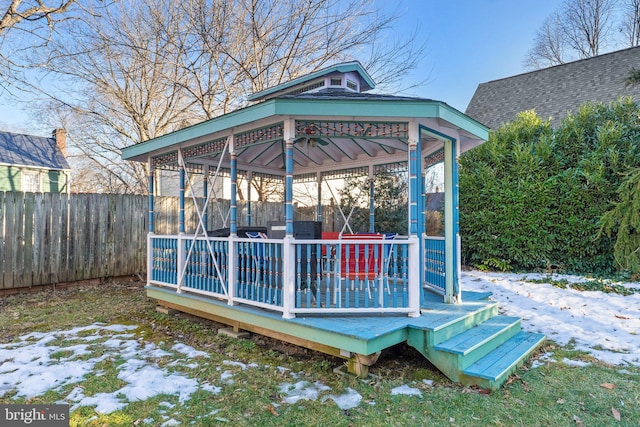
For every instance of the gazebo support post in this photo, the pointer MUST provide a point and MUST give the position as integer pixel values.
(151, 225)
(205, 194)
(249, 178)
(233, 227)
(288, 273)
(451, 227)
(319, 189)
(415, 219)
(372, 193)
(181, 255)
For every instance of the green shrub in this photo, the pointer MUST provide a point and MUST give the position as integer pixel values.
(533, 197)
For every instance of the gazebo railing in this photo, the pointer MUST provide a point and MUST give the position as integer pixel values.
(434, 263)
(292, 276)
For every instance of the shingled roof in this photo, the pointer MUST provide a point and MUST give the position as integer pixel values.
(31, 151)
(556, 91)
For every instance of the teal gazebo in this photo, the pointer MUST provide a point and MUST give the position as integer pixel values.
(350, 295)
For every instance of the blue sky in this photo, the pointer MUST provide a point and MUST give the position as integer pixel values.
(468, 42)
(471, 41)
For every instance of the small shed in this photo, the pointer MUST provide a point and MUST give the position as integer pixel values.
(33, 163)
(345, 293)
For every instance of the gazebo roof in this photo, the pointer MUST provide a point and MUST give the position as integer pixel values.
(333, 128)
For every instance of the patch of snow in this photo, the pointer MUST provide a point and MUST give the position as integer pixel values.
(189, 351)
(405, 390)
(170, 422)
(428, 383)
(543, 360)
(211, 388)
(32, 365)
(241, 365)
(227, 377)
(605, 325)
(575, 363)
(302, 390)
(349, 400)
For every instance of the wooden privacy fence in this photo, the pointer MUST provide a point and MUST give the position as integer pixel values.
(54, 238)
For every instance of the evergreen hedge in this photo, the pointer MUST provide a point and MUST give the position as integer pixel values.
(534, 198)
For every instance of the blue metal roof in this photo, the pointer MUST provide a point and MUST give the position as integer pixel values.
(28, 150)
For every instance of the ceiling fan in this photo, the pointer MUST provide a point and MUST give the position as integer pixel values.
(310, 141)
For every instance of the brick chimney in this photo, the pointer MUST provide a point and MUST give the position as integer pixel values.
(60, 136)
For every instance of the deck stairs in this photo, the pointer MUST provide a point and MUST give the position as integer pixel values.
(473, 345)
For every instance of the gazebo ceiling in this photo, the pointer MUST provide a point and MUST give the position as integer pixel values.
(322, 144)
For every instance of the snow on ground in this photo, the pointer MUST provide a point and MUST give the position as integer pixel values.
(607, 325)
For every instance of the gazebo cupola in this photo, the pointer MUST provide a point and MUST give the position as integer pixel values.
(348, 77)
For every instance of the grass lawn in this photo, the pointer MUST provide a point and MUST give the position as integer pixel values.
(255, 382)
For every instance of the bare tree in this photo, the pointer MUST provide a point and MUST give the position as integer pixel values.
(234, 48)
(579, 29)
(587, 25)
(32, 11)
(144, 68)
(549, 45)
(114, 79)
(32, 24)
(630, 25)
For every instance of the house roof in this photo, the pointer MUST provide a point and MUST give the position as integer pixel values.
(31, 151)
(555, 92)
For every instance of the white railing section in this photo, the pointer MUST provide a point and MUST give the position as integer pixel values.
(361, 274)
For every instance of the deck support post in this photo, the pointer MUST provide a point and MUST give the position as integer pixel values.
(359, 364)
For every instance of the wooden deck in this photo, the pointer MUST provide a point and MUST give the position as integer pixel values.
(469, 342)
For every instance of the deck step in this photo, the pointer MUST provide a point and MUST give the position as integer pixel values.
(444, 323)
(475, 343)
(495, 367)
